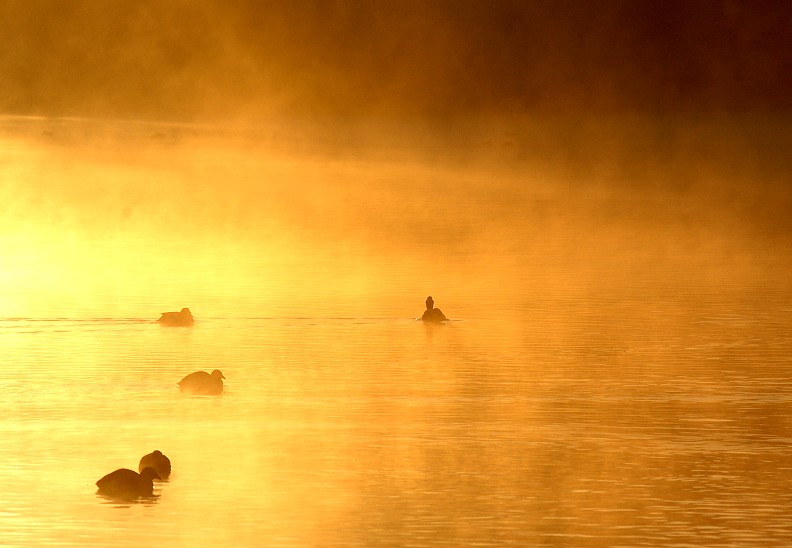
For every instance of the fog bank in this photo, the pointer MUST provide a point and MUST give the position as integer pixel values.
(437, 61)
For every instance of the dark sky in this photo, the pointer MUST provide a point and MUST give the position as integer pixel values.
(194, 59)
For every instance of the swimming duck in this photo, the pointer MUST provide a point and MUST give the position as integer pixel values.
(177, 319)
(159, 462)
(127, 484)
(202, 382)
(432, 314)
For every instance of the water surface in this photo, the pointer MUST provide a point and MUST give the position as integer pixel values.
(616, 371)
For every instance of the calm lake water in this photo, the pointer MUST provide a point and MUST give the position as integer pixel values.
(616, 371)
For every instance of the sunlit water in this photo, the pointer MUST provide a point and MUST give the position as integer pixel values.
(590, 390)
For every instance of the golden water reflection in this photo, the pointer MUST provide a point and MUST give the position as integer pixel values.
(365, 432)
(590, 390)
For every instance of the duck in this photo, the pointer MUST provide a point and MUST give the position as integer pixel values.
(159, 462)
(202, 382)
(177, 319)
(432, 314)
(126, 484)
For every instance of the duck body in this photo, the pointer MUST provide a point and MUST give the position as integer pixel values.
(127, 484)
(159, 462)
(203, 383)
(433, 315)
(182, 318)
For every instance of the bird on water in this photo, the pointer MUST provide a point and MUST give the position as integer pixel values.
(126, 484)
(177, 319)
(432, 314)
(159, 462)
(202, 382)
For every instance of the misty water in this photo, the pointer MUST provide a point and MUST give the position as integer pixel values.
(616, 371)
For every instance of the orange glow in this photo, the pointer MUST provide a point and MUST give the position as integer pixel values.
(596, 195)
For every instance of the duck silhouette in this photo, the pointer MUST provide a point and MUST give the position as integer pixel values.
(432, 314)
(159, 462)
(203, 383)
(177, 319)
(126, 484)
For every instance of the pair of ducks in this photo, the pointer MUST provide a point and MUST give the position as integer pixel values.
(126, 484)
(185, 317)
(199, 382)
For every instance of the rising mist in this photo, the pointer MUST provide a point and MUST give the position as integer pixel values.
(351, 60)
(272, 141)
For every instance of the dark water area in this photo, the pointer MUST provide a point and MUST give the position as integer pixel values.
(615, 371)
